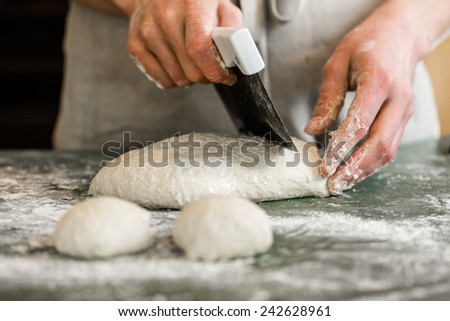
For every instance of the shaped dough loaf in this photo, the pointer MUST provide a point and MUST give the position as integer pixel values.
(164, 176)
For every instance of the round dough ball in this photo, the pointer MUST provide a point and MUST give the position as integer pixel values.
(222, 227)
(102, 227)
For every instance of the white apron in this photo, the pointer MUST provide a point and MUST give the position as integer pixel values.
(104, 94)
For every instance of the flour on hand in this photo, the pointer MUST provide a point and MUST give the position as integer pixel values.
(222, 227)
(102, 227)
(181, 169)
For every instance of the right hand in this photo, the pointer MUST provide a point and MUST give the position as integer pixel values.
(171, 41)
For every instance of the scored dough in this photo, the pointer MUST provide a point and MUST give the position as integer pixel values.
(222, 227)
(102, 227)
(161, 176)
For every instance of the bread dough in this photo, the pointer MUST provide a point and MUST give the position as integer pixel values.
(102, 227)
(222, 227)
(163, 176)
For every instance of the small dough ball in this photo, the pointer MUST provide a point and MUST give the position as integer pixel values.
(102, 227)
(222, 227)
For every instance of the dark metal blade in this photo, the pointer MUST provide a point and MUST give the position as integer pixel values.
(252, 111)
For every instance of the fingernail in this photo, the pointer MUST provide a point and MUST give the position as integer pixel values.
(344, 180)
(230, 81)
(323, 170)
(336, 186)
(329, 164)
(183, 83)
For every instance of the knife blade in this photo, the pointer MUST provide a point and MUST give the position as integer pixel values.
(247, 101)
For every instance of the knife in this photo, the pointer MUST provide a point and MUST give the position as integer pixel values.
(247, 101)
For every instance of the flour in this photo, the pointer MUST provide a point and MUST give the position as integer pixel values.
(8, 181)
(163, 175)
(353, 247)
(367, 46)
(141, 68)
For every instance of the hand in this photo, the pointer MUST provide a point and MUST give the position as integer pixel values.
(170, 40)
(377, 60)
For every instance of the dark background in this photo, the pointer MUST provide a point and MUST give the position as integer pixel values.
(31, 64)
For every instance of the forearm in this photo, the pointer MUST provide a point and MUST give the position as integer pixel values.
(429, 20)
(117, 7)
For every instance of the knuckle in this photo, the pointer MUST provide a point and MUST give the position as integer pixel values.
(405, 94)
(409, 112)
(385, 79)
(330, 67)
(134, 47)
(147, 33)
(390, 155)
(385, 150)
(197, 47)
(167, 17)
(363, 124)
(350, 37)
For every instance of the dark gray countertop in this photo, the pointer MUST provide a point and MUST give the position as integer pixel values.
(388, 238)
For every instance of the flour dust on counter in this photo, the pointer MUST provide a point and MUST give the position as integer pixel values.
(222, 227)
(103, 227)
(388, 238)
(176, 171)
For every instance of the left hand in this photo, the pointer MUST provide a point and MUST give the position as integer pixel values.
(377, 60)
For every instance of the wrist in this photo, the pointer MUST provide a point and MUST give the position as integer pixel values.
(126, 6)
(424, 21)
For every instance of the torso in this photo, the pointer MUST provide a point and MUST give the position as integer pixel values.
(105, 95)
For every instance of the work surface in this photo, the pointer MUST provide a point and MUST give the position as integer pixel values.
(388, 238)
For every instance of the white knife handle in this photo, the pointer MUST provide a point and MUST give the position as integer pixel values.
(237, 48)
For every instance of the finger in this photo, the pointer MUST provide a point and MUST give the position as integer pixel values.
(199, 25)
(229, 15)
(376, 152)
(191, 71)
(170, 63)
(149, 65)
(156, 43)
(175, 38)
(331, 96)
(371, 94)
(172, 32)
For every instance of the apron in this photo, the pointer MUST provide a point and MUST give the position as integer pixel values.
(105, 98)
